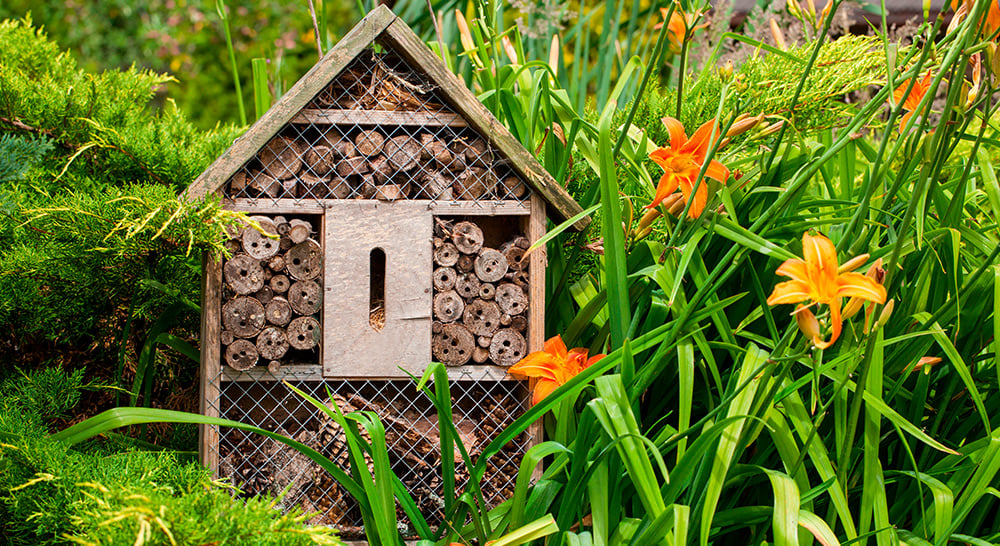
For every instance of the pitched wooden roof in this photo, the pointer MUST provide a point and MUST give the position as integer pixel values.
(393, 34)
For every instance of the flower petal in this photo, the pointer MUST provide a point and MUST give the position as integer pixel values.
(860, 286)
(676, 129)
(667, 186)
(543, 388)
(699, 143)
(538, 364)
(700, 200)
(794, 268)
(556, 347)
(835, 322)
(718, 171)
(788, 292)
(821, 266)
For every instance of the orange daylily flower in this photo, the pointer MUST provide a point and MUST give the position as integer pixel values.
(991, 21)
(816, 278)
(682, 161)
(911, 101)
(553, 366)
(677, 27)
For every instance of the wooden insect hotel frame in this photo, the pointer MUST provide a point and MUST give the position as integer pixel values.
(390, 213)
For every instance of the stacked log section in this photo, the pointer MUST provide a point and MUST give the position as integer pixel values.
(480, 312)
(378, 162)
(272, 294)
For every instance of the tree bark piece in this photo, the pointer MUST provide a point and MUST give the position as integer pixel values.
(514, 257)
(369, 142)
(480, 355)
(233, 246)
(241, 355)
(519, 323)
(258, 245)
(353, 165)
(266, 185)
(454, 345)
(519, 277)
(305, 297)
(299, 230)
(339, 187)
(436, 185)
(311, 186)
(279, 284)
(276, 263)
(303, 333)
(511, 299)
(513, 188)
(278, 311)
(448, 306)
(274, 367)
(446, 255)
(381, 170)
(482, 317)
(304, 261)
(467, 237)
(434, 149)
(264, 295)
(487, 291)
(243, 274)
(474, 183)
(272, 343)
(402, 152)
(244, 317)
(237, 183)
(444, 279)
(465, 264)
(490, 265)
(226, 337)
(319, 159)
(508, 347)
(389, 192)
(281, 158)
(467, 286)
(484, 341)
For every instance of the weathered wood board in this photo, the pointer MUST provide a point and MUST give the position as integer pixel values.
(353, 348)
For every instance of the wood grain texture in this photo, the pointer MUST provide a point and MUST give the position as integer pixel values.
(402, 229)
(408, 45)
(211, 356)
(291, 103)
(378, 117)
(537, 261)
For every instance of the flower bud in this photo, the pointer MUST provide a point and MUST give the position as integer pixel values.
(886, 313)
(648, 218)
(674, 204)
(807, 322)
(744, 123)
(726, 71)
(853, 263)
(779, 37)
(926, 363)
(794, 9)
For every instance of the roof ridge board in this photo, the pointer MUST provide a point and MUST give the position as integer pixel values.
(244, 148)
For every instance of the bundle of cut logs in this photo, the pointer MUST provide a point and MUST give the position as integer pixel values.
(272, 293)
(373, 164)
(372, 84)
(480, 297)
(260, 465)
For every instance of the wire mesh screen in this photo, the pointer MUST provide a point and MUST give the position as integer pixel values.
(256, 464)
(378, 131)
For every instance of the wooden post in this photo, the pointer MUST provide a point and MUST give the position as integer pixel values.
(210, 372)
(537, 261)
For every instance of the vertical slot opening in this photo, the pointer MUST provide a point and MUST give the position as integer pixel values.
(376, 289)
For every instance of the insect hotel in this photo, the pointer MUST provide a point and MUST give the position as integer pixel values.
(389, 217)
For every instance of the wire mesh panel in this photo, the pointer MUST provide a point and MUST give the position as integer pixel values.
(256, 464)
(378, 131)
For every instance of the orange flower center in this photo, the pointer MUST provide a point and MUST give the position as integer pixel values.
(682, 164)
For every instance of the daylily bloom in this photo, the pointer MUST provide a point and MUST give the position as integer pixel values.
(816, 279)
(911, 101)
(991, 22)
(553, 366)
(677, 27)
(682, 161)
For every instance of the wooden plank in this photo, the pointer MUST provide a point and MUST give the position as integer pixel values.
(211, 354)
(537, 262)
(378, 117)
(294, 100)
(403, 231)
(318, 206)
(408, 45)
(267, 205)
(290, 372)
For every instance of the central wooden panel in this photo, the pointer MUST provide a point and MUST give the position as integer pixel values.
(356, 342)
